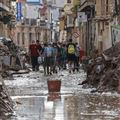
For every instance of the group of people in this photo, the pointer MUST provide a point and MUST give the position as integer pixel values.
(55, 56)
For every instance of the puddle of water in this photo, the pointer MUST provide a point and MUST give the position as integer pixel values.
(30, 92)
(66, 107)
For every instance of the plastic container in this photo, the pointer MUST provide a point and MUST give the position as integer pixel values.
(54, 85)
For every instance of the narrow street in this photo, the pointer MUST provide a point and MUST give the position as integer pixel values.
(33, 102)
(70, 35)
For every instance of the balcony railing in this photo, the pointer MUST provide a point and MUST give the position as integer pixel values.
(82, 1)
(85, 3)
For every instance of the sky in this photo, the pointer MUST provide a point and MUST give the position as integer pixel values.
(32, 0)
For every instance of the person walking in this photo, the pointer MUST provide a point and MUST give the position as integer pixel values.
(39, 47)
(63, 56)
(77, 57)
(33, 51)
(71, 47)
(47, 64)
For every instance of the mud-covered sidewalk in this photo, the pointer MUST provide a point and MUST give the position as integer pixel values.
(33, 102)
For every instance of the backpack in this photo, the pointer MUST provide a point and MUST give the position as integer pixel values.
(71, 49)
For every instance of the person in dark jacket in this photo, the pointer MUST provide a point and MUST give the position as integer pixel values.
(34, 53)
(39, 47)
(71, 48)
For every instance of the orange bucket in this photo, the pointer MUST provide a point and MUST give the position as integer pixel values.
(54, 85)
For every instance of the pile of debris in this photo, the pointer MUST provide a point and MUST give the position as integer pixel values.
(6, 104)
(10, 63)
(10, 57)
(103, 72)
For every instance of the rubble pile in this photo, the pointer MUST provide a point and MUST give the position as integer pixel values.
(10, 64)
(6, 104)
(10, 57)
(103, 72)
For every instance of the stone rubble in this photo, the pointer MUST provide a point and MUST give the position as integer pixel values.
(103, 72)
(11, 57)
(9, 64)
(6, 103)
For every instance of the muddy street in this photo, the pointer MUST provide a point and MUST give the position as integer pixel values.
(33, 102)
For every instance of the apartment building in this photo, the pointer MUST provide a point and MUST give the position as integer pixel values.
(5, 17)
(100, 30)
(103, 19)
(87, 25)
(67, 19)
(53, 18)
(32, 26)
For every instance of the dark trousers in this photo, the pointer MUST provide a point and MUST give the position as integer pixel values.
(34, 61)
(47, 64)
(76, 63)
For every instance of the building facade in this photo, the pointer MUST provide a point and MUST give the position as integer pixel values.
(98, 22)
(87, 25)
(5, 18)
(95, 32)
(103, 19)
(32, 26)
(53, 18)
(68, 18)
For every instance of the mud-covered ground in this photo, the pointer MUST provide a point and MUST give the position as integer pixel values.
(33, 102)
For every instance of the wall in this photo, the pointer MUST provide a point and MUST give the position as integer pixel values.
(27, 30)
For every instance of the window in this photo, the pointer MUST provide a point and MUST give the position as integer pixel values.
(38, 36)
(68, 1)
(23, 38)
(30, 37)
(27, 21)
(107, 7)
(69, 21)
(54, 1)
(18, 38)
(33, 22)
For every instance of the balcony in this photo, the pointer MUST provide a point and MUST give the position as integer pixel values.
(4, 5)
(86, 3)
(67, 8)
(102, 18)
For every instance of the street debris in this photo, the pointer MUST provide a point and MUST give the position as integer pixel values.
(103, 71)
(6, 103)
(11, 62)
(12, 58)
